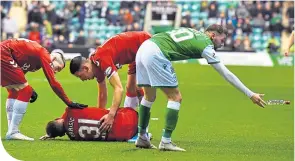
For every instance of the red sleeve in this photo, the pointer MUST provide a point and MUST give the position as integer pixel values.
(48, 71)
(64, 114)
(103, 60)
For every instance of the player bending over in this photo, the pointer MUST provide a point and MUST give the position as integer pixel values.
(19, 56)
(119, 50)
(84, 124)
(154, 70)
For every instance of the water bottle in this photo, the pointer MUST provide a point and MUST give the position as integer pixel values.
(277, 102)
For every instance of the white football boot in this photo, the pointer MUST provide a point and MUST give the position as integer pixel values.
(18, 136)
(144, 142)
(169, 147)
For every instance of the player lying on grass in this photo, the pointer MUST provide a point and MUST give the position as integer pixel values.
(84, 124)
(154, 70)
(19, 56)
(107, 59)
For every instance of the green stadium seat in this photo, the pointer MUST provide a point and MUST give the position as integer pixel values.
(203, 15)
(94, 14)
(86, 26)
(257, 30)
(75, 20)
(88, 21)
(196, 7)
(195, 15)
(222, 8)
(95, 21)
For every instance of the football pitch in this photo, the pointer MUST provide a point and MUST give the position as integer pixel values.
(216, 121)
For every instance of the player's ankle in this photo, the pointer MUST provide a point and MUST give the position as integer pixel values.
(165, 140)
(143, 135)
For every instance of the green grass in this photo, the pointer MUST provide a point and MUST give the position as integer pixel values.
(216, 121)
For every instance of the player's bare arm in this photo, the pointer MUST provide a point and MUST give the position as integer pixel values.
(102, 94)
(117, 98)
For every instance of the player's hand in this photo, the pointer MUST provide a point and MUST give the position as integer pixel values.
(257, 99)
(46, 137)
(286, 53)
(33, 97)
(107, 123)
(77, 105)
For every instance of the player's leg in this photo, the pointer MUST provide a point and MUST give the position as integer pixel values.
(162, 75)
(143, 58)
(133, 93)
(172, 110)
(12, 96)
(19, 109)
(144, 113)
(13, 78)
(131, 99)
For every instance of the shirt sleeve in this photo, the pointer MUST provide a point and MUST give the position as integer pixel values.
(231, 78)
(49, 73)
(104, 61)
(210, 55)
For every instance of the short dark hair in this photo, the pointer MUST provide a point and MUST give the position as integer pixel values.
(75, 64)
(54, 129)
(217, 28)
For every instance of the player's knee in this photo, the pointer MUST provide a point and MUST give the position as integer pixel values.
(176, 97)
(150, 98)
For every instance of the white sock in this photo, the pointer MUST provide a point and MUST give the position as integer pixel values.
(166, 140)
(9, 109)
(19, 110)
(131, 102)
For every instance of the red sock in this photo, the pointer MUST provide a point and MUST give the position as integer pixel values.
(129, 94)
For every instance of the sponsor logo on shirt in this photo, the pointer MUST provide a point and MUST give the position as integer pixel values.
(26, 66)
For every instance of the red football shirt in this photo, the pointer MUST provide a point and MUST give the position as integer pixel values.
(31, 56)
(83, 124)
(117, 51)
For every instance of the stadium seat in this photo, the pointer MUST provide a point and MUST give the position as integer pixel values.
(257, 30)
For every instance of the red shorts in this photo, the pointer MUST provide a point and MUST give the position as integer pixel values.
(11, 73)
(132, 68)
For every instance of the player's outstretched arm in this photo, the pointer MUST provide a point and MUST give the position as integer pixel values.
(231, 78)
(56, 86)
(102, 94)
(117, 98)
